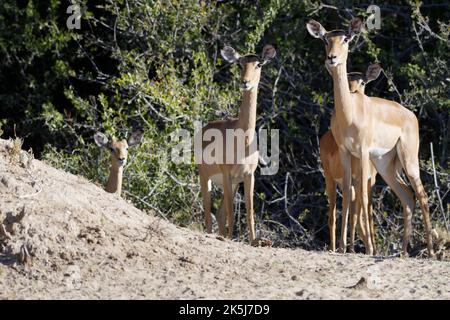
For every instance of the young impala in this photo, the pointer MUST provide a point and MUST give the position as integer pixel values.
(119, 155)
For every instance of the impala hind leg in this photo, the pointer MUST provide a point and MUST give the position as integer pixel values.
(221, 217)
(408, 150)
(390, 172)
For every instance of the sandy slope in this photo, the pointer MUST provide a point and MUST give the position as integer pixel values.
(86, 243)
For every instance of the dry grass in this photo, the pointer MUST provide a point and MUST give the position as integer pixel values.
(15, 149)
(17, 155)
(442, 242)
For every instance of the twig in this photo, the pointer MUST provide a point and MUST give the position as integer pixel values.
(436, 188)
(150, 105)
(30, 195)
(34, 180)
(286, 209)
(275, 89)
(180, 183)
(147, 204)
(392, 84)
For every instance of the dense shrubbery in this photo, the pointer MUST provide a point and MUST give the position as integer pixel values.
(156, 65)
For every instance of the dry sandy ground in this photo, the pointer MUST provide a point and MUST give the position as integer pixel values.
(83, 243)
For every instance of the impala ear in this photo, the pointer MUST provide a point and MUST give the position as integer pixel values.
(135, 138)
(229, 54)
(315, 29)
(268, 53)
(101, 140)
(373, 72)
(355, 27)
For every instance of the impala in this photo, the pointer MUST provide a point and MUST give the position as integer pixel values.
(119, 155)
(372, 130)
(227, 175)
(334, 172)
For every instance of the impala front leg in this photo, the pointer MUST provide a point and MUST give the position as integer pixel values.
(249, 183)
(206, 197)
(221, 217)
(370, 183)
(365, 172)
(228, 202)
(346, 196)
(331, 193)
(353, 218)
(359, 223)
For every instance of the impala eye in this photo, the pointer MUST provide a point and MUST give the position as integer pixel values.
(259, 65)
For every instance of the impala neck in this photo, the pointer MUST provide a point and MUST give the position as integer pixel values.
(114, 184)
(343, 101)
(247, 110)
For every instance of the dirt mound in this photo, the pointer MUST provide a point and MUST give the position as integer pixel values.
(64, 237)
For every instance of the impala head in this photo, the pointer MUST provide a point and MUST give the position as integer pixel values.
(250, 64)
(357, 81)
(336, 41)
(118, 148)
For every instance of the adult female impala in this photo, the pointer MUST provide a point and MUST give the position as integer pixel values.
(372, 129)
(225, 174)
(334, 171)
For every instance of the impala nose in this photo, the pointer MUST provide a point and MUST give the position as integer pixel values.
(122, 161)
(245, 84)
(331, 58)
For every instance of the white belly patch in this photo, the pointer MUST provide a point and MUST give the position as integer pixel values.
(378, 152)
